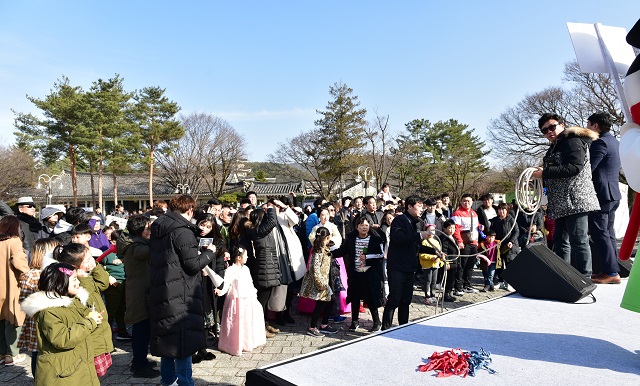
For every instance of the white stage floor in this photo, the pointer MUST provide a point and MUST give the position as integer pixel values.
(531, 342)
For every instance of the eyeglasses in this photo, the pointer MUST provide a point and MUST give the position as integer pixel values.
(549, 128)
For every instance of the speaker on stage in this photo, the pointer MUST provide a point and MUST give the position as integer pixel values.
(625, 267)
(539, 273)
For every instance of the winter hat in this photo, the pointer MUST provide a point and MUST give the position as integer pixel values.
(48, 211)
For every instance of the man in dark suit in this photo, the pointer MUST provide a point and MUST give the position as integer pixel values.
(605, 167)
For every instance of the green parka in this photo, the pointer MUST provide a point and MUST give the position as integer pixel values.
(135, 255)
(65, 356)
(95, 283)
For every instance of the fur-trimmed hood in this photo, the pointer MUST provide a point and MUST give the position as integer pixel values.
(579, 132)
(39, 301)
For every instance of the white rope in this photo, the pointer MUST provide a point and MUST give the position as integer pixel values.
(529, 192)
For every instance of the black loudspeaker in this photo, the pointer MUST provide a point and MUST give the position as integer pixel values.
(625, 267)
(539, 273)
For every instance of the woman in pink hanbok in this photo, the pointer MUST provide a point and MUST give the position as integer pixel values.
(242, 327)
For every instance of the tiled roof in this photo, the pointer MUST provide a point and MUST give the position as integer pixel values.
(129, 185)
(135, 186)
(275, 189)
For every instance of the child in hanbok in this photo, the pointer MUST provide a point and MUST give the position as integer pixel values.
(242, 326)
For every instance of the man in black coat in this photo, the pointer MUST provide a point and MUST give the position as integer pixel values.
(175, 304)
(372, 214)
(605, 168)
(31, 227)
(404, 245)
(487, 211)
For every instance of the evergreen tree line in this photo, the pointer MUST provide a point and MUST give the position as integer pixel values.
(426, 158)
(104, 129)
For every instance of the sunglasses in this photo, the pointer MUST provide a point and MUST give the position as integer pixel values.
(549, 128)
(28, 206)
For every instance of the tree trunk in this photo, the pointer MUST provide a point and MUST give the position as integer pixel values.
(100, 160)
(115, 191)
(93, 188)
(151, 162)
(74, 175)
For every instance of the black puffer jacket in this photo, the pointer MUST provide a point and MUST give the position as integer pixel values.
(265, 267)
(175, 301)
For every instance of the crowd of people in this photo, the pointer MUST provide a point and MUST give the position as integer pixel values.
(180, 273)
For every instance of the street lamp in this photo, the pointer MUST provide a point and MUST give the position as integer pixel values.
(369, 171)
(48, 180)
(182, 188)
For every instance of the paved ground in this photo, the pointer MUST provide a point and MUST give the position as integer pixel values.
(228, 370)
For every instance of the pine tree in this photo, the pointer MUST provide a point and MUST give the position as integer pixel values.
(117, 143)
(340, 134)
(62, 130)
(155, 116)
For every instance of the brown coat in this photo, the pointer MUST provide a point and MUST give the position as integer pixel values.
(13, 263)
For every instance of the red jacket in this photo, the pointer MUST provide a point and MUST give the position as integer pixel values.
(466, 220)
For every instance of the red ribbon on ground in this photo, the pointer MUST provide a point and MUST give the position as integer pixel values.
(448, 363)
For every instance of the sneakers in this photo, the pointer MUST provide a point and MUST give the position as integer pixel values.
(430, 301)
(471, 290)
(328, 329)
(314, 332)
(504, 286)
(354, 326)
(145, 372)
(449, 298)
(375, 328)
(485, 289)
(458, 292)
(123, 336)
(11, 361)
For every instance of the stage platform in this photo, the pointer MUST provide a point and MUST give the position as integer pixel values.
(531, 342)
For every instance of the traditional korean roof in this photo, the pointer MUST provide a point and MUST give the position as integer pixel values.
(276, 189)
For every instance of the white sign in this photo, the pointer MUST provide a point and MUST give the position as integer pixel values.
(589, 51)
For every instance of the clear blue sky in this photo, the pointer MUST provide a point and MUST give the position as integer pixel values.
(266, 66)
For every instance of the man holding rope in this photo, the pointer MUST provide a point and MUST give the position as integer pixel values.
(566, 174)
